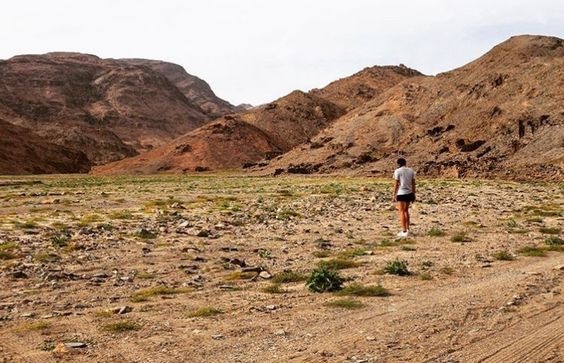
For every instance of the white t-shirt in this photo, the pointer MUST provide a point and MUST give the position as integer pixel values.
(405, 176)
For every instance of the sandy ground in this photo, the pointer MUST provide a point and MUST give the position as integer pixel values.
(120, 266)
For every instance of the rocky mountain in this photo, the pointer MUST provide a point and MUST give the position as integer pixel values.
(224, 143)
(500, 115)
(284, 124)
(26, 153)
(195, 89)
(107, 108)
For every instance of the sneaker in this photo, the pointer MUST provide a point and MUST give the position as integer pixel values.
(402, 234)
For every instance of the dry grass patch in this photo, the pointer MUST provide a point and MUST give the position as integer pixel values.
(349, 304)
(288, 276)
(144, 295)
(338, 264)
(361, 290)
(121, 326)
(204, 312)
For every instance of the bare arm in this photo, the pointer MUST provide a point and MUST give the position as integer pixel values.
(396, 187)
(413, 187)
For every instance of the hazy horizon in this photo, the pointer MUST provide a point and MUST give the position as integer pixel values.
(254, 52)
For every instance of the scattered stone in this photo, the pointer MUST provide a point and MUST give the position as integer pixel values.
(203, 233)
(280, 332)
(218, 336)
(75, 345)
(370, 338)
(265, 275)
(122, 310)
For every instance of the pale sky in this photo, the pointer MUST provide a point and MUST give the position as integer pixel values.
(254, 51)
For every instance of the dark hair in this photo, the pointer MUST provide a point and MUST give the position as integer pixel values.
(402, 162)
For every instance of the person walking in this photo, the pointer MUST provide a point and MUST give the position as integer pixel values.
(404, 194)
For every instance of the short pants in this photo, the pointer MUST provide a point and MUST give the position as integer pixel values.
(405, 197)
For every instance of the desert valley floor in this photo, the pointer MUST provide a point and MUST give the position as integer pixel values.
(212, 268)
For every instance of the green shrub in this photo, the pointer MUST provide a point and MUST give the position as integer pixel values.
(397, 267)
(323, 279)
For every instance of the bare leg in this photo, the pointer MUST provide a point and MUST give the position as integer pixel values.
(402, 211)
(406, 217)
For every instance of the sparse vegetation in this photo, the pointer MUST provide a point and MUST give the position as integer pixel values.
(360, 290)
(121, 326)
(397, 267)
(204, 312)
(288, 276)
(349, 304)
(547, 230)
(144, 295)
(503, 255)
(554, 241)
(460, 237)
(323, 279)
(532, 251)
(274, 289)
(34, 326)
(338, 264)
(436, 232)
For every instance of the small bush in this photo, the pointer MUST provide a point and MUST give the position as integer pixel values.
(554, 241)
(59, 241)
(425, 276)
(345, 304)
(338, 264)
(532, 251)
(274, 289)
(547, 230)
(503, 255)
(359, 290)
(323, 279)
(436, 232)
(288, 276)
(460, 237)
(121, 326)
(204, 312)
(145, 234)
(397, 267)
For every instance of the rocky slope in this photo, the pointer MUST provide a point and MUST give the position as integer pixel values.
(501, 115)
(25, 153)
(284, 124)
(195, 89)
(227, 142)
(110, 109)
